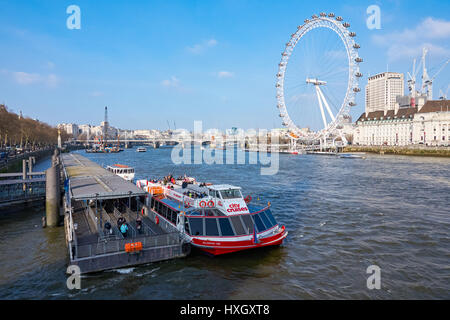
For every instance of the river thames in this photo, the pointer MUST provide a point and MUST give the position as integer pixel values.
(343, 215)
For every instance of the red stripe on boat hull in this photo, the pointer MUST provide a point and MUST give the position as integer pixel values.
(223, 247)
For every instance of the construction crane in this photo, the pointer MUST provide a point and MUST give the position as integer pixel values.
(412, 80)
(443, 96)
(430, 82)
(427, 83)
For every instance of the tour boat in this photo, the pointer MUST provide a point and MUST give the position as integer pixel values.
(141, 149)
(217, 219)
(122, 171)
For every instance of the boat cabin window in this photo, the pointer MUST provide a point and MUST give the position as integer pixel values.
(225, 227)
(196, 226)
(259, 224)
(248, 223)
(230, 194)
(270, 216)
(237, 225)
(264, 220)
(211, 227)
(214, 194)
(269, 224)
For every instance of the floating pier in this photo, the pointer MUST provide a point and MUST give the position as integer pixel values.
(94, 200)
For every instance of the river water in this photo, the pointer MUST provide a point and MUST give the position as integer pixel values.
(343, 215)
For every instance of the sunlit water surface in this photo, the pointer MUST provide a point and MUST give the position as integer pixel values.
(342, 215)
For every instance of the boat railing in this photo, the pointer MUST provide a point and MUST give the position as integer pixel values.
(131, 230)
(146, 229)
(118, 245)
(116, 234)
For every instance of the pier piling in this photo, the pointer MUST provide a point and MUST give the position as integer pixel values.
(52, 195)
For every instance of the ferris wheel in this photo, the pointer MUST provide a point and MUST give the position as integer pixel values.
(316, 92)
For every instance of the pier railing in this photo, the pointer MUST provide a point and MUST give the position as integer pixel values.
(21, 190)
(115, 246)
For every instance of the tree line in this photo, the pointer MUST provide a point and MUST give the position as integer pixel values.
(24, 132)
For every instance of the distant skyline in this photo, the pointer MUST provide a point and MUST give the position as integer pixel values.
(180, 61)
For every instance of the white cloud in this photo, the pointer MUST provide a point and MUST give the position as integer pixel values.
(51, 80)
(25, 78)
(201, 47)
(96, 94)
(172, 83)
(431, 33)
(225, 74)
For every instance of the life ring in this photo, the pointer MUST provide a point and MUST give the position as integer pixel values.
(142, 211)
(210, 203)
(202, 204)
(156, 219)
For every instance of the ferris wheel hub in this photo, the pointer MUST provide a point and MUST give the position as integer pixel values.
(315, 82)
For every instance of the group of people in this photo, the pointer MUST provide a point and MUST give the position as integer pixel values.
(168, 179)
(123, 227)
(195, 195)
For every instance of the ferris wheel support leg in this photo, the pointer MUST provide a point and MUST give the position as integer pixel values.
(321, 107)
(326, 104)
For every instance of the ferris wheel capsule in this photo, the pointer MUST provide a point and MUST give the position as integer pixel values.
(359, 74)
(331, 15)
(339, 18)
(356, 46)
(352, 34)
(323, 14)
(358, 59)
(346, 24)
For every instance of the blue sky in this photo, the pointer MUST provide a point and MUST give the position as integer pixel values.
(210, 60)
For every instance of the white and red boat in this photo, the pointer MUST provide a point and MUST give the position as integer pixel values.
(214, 218)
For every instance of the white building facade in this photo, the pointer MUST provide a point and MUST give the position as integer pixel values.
(69, 128)
(428, 125)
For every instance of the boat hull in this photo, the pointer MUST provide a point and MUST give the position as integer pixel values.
(219, 247)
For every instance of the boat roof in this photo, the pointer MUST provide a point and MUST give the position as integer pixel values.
(219, 187)
(171, 203)
(119, 166)
(195, 188)
(88, 180)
